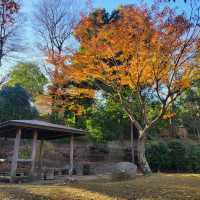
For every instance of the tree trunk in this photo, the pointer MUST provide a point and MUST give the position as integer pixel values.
(134, 141)
(132, 144)
(172, 124)
(142, 161)
(138, 149)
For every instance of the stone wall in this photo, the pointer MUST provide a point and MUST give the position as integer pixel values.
(100, 158)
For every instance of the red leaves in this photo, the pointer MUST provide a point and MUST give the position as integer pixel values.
(10, 5)
(9, 8)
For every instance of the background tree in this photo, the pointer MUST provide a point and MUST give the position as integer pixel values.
(137, 53)
(69, 99)
(107, 121)
(189, 106)
(15, 103)
(9, 28)
(28, 76)
(68, 96)
(55, 21)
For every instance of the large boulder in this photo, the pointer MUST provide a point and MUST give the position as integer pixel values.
(124, 171)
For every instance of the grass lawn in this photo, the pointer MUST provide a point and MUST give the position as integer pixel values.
(154, 187)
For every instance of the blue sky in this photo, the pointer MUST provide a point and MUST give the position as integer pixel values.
(32, 53)
(29, 36)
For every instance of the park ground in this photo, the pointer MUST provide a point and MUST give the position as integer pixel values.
(154, 187)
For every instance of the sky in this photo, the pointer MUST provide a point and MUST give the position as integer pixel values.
(32, 54)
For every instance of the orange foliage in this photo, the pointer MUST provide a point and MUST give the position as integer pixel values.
(133, 51)
(64, 91)
(142, 49)
(169, 115)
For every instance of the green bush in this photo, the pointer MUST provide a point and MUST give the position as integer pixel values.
(25, 154)
(157, 155)
(177, 156)
(86, 169)
(173, 156)
(193, 158)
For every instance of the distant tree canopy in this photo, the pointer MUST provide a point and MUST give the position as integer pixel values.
(189, 109)
(107, 121)
(16, 103)
(29, 76)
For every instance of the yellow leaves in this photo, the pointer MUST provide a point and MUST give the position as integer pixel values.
(139, 49)
(129, 51)
(169, 115)
(196, 73)
(80, 92)
(43, 100)
(76, 108)
(184, 80)
(182, 84)
(164, 187)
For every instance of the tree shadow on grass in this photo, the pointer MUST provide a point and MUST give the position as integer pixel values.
(155, 187)
(148, 188)
(115, 190)
(16, 193)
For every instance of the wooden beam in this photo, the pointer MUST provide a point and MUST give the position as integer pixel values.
(71, 155)
(15, 153)
(34, 151)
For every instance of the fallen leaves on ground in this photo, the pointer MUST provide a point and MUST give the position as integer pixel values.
(154, 187)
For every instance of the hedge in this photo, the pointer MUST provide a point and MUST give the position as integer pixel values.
(173, 156)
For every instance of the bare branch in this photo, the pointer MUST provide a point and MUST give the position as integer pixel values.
(55, 21)
(9, 28)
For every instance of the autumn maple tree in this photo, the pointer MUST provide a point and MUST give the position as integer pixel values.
(136, 54)
(55, 21)
(66, 94)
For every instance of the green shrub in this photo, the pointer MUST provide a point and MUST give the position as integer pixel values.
(193, 158)
(173, 156)
(86, 169)
(25, 154)
(177, 156)
(157, 155)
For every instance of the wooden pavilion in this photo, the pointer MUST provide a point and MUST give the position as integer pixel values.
(38, 131)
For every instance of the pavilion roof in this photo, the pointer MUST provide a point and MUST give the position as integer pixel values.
(46, 130)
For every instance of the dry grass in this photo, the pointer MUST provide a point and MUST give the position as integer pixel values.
(155, 187)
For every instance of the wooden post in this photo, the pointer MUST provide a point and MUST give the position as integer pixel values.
(71, 155)
(40, 154)
(15, 153)
(34, 150)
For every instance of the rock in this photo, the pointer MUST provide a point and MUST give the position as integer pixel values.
(124, 171)
(70, 180)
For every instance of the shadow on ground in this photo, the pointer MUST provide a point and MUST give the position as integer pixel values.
(17, 193)
(155, 187)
